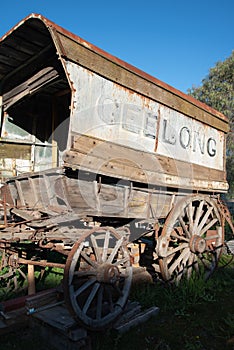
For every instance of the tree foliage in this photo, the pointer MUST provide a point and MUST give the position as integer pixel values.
(217, 91)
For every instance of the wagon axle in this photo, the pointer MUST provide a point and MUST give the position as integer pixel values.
(107, 273)
(197, 244)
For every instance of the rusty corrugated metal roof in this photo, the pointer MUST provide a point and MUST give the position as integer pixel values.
(21, 43)
(36, 33)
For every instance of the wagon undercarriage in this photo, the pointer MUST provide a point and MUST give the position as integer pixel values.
(98, 250)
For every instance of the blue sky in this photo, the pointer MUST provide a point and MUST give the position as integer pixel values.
(175, 41)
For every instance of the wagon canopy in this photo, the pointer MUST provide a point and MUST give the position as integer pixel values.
(36, 98)
(56, 87)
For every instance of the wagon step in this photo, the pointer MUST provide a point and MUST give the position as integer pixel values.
(60, 320)
(134, 316)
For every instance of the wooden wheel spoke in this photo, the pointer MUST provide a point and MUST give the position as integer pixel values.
(184, 226)
(185, 259)
(195, 263)
(181, 267)
(181, 238)
(99, 303)
(156, 267)
(198, 215)
(190, 213)
(115, 250)
(174, 250)
(204, 219)
(121, 261)
(179, 273)
(88, 260)
(184, 255)
(84, 286)
(96, 248)
(208, 226)
(170, 257)
(110, 299)
(106, 246)
(90, 298)
(190, 265)
(117, 289)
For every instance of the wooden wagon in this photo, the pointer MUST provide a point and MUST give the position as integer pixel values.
(105, 165)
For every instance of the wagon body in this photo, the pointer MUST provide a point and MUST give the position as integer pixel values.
(63, 97)
(98, 157)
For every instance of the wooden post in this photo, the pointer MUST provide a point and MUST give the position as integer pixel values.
(54, 142)
(31, 280)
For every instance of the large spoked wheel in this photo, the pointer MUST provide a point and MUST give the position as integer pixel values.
(191, 239)
(97, 278)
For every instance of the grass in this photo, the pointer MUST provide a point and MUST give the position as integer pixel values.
(50, 278)
(195, 315)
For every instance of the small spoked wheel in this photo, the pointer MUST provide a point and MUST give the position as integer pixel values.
(191, 239)
(97, 277)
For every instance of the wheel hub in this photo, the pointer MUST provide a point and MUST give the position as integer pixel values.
(108, 273)
(197, 244)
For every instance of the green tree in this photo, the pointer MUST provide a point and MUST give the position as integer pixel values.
(217, 91)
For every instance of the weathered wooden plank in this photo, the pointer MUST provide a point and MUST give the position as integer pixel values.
(180, 180)
(40, 76)
(29, 86)
(141, 203)
(116, 160)
(7, 60)
(130, 79)
(39, 190)
(29, 199)
(20, 193)
(108, 151)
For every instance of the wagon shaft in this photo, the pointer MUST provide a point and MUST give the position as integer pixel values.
(106, 167)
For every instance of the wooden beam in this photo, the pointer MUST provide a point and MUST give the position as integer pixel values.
(30, 86)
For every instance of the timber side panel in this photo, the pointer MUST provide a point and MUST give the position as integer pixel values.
(37, 191)
(105, 150)
(92, 198)
(111, 200)
(122, 75)
(79, 194)
(110, 159)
